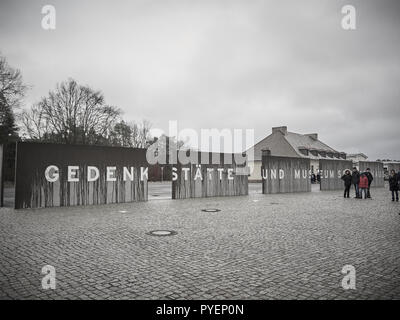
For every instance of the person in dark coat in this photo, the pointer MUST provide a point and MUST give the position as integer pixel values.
(355, 181)
(370, 179)
(394, 184)
(347, 178)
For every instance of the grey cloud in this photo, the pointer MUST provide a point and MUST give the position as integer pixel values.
(235, 64)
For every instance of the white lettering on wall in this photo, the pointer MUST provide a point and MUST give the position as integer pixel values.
(96, 171)
(174, 174)
(264, 174)
(186, 170)
(230, 172)
(198, 174)
(51, 173)
(128, 174)
(220, 170)
(111, 174)
(144, 173)
(73, 173)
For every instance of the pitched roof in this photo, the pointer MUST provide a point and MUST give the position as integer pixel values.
(288, 144)
(297, 140)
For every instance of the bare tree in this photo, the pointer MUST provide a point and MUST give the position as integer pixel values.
(12, 91)
(72, 113)
(141, 134)
(34, 123)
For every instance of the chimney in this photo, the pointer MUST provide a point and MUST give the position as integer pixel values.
(283, 130)
(312, 135)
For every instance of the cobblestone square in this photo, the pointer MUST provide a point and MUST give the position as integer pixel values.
(285, 246)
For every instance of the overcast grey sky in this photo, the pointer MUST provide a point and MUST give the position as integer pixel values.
(224, 64)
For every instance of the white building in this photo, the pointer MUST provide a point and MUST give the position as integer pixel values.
(283, 143)
(356, 157)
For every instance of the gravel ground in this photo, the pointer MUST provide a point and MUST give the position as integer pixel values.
(285, 246)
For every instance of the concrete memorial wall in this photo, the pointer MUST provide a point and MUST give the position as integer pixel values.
(285, 174)
(1, 176)
(49, 175)
(331, 172)
(206, 178)
(376, 170)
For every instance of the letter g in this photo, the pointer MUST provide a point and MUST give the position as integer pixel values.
(51, 177)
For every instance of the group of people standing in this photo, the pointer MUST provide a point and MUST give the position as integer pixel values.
(362, 183)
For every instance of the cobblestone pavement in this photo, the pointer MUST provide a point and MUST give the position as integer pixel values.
(289, 246)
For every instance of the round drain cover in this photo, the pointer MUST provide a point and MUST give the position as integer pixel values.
(162, 233)
(210, 210)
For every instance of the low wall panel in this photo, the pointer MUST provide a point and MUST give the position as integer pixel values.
(331, 172)
(285, 174)
(376, 170)
(33, 190)
(206, 181)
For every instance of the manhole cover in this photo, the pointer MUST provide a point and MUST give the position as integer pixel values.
(210, 210)
(122, 211)
(162, 233)
(274, 203)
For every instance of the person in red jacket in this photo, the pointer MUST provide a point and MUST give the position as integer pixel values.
(363, 186)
